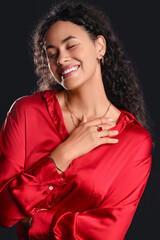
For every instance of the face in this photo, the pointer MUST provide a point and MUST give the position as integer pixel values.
(72, 55)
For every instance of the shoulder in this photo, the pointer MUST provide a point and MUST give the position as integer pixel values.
(36, 101)
(142, 140)
(27, 101)
(134, 126)
(137, 136)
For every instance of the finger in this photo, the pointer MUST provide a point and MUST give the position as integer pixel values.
(98, 121)
(107, 133)
(108, 125)
(105, 126)
(108, 140)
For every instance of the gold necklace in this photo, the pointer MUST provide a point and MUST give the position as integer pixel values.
(72, 114)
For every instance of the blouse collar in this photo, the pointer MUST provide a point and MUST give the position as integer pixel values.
(55, 113)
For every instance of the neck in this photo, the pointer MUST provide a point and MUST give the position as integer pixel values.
(90, 101)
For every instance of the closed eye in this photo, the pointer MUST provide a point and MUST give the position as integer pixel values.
(72, 46)
(52, 56)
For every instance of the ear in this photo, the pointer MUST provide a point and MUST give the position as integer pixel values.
(101, 47)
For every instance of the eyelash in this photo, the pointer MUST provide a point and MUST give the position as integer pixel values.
(54, 55)
(71, 46)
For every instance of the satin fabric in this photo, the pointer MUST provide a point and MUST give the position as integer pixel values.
(96, 197)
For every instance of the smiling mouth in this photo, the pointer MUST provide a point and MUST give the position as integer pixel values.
(69, 72)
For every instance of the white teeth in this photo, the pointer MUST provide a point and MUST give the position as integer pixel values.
(69, 70)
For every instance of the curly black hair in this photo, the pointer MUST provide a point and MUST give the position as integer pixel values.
(120, 83)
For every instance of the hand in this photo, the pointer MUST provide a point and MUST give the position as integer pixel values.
(83, 139)
(27, 222)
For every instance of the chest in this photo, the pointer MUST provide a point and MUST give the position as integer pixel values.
(68, 121)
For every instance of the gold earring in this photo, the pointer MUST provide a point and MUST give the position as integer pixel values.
(102, 57)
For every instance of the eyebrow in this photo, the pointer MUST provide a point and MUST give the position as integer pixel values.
(63, 41)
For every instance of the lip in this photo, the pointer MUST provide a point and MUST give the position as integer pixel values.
(66, 68)
(70, 73)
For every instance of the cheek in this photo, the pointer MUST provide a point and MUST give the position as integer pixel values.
(87, 57)
(52, 69)
(90, 61)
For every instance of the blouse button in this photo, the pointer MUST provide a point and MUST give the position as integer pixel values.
(50, 187)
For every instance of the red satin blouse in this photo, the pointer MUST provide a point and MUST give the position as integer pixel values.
(96, 197)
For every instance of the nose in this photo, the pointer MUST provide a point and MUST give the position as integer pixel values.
(63, 57)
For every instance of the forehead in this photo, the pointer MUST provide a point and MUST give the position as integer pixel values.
(62, 29)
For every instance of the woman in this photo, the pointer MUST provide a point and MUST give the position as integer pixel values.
(76, 155)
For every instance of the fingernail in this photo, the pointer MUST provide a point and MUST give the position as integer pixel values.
(116, 140)
(116, 132)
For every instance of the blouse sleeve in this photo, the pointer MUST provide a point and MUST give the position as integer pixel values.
(21, 192)
(112, 218)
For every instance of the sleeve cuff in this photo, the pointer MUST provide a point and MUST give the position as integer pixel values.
(41, 225)
(45, 171)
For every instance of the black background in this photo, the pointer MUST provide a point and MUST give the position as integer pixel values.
(137, 25)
